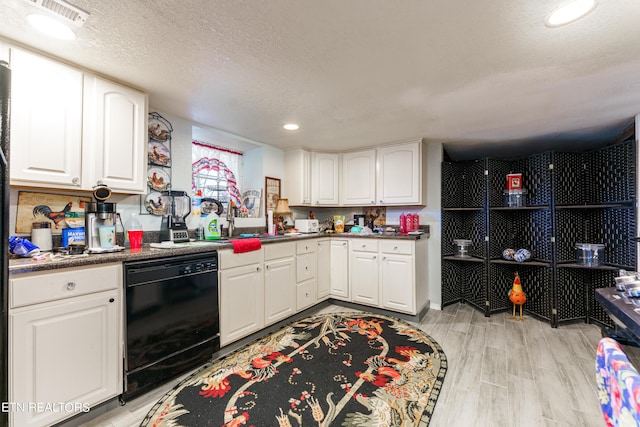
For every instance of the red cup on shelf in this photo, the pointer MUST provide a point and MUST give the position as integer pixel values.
(135, 240)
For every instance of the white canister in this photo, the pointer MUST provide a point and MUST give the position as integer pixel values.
(41, 235)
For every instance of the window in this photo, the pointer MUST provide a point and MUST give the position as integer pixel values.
(215, 171)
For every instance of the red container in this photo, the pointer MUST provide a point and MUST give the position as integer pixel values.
(416, 222)
(403, 224)
(514, 181)
(408, 223)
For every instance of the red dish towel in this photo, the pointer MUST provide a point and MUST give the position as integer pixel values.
(246, 245)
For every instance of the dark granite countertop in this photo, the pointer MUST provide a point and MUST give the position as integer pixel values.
(624, 309)
(25, 265)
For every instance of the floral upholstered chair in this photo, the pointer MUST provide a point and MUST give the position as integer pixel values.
(618, 385)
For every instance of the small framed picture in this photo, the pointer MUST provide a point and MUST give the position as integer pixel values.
(272, 192)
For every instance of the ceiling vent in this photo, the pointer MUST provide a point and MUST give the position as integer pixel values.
(69, 13)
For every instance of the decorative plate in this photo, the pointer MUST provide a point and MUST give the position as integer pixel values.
(159, 128)
(158, 154)
(209, 205)
(158, 179)
(154, 203)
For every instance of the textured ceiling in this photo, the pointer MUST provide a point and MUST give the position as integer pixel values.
(483, 76)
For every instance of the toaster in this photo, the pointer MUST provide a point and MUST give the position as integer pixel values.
(307, 225)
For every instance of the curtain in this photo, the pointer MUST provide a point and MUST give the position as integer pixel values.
(216, 172)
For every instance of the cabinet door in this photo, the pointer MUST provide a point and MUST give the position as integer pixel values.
(398, 283)
(358, 178)
(364, 278)
(339, 266)
(241, 302)
(279, 290)
(46, 122)
(115, 136)
(324, 269)
(324, 183)
(297, 182)
(65, 352)
(399, 174)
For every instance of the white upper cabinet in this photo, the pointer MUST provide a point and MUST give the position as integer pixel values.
(325, 172)
(70, 129)
(400, 175)
(116, 138)
(46, 122)
(297, 176)
(358, 178)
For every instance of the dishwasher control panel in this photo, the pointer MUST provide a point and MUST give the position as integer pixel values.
(198, 267)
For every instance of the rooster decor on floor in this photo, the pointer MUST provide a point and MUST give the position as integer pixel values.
(517, 296)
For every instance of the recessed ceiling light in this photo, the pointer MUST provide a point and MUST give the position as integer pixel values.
(51, 27)
(291, 126)
(569, 12)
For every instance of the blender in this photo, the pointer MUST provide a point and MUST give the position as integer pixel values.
(178, 207)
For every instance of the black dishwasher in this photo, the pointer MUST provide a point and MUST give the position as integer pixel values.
(172, 318)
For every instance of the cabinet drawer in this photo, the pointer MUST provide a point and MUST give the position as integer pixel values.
(396, 247)
(306, 267)
(33, 288)
(279, 250)
(306, 294)
(227, 259)
(306, 247)
(364, 245)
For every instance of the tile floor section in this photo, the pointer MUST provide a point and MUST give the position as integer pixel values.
(502, 372)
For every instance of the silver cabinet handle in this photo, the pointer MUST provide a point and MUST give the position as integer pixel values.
(395, 248)
(373, 202)
(306, 268)
(266, 266)
(71, 286)
(259, 268)
(380, 200)
(364, 246)
(374, 257)
(344, 243)
(384, 258)
(75, 180)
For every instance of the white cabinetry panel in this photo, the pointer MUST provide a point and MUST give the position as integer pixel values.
(358, 178)
(46, 121)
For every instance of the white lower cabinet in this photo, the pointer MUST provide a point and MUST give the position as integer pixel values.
(66, 348)
(257, 288)
(339, 270)
(324, 269)
(364, 273)
(389, 274)
(241, 301)
(398, 281)
(279, 282)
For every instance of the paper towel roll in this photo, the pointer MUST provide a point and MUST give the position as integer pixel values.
(270, 222)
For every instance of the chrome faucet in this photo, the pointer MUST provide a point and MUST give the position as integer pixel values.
(230, 219)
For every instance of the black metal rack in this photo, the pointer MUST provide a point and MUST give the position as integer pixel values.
(571, 198)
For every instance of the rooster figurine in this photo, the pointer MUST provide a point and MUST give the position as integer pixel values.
(517, 296)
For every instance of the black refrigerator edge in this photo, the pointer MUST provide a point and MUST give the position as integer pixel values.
(5, 107)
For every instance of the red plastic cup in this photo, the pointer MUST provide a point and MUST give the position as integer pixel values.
(135, 239)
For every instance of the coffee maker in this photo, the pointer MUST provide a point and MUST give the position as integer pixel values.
(174, 226)
(97, 214)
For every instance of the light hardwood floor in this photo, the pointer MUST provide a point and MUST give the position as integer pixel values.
(501, 372)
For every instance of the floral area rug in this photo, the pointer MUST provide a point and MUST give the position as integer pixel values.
(338, 369)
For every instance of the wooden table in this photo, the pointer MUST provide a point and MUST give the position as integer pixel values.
(624, 311)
